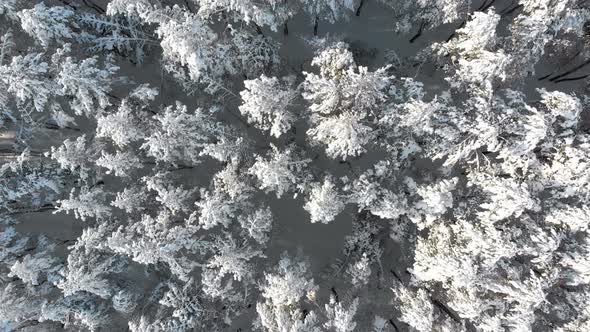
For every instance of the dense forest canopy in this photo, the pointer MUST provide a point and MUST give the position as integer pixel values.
(295, 165)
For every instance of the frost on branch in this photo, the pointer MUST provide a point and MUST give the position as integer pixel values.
(188, 41)
(88, 270)
(29, 183)
(271, 13)
(87, 202)
(183, 300)
(215, 208)
(416, 308)
(39, 266)
(115, 34)
(339, 317)
(191, 49)
(258, 224)
(505, 198)
(267, 104)
(289, 284)
(48, 24)
(127, 124)
(26, 78)
(231, 180)
(571, 218)
(427, 14)
(175, 199)
(130, 199)
(324, 202)
(562, 105)
(436, 261)
(436, 199)
(151, 240)
(539, 24)
(343, 99)
(232, 258)
(283, 291)
(476, 64)
(74, 155)
(360, 272)
(88, 84)
(119, 163)
(576, 264)
(281, 172)
(255, 53)
(180, 136)
(344, 135)
(369, 194)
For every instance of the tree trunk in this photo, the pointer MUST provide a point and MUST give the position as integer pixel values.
(46, 207)
(358, 10)
(336, 296)
(68, 4)
(393, 324)
(188, 6)
(258, 29)
(511, 10)
(446, 310)
(561, 66)
(419, 33)
(454, 32)
(97, 8)
(577, 78)
(576, 68)
(315, 26)
(485, 5)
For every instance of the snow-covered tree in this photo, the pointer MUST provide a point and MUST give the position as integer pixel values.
(180, 136)
(85, 203)
(191, 48)
(119, 163)
(130, 199)
(281, 172)
(151, 240)
(271, 13)
(340, 318)
(324, 203)
(290, 283)
(215, 208)
(415, 307)
(33, 268)
(231, 258)
(25, 77)
(127, 124)
(477, 65)
(268, 104)
(74, 155)
(468, 177)
(343, 99)
(88, 85)
(283, 291)
(48, 24)
(258, 224)
(436, 199)
(87, 271)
